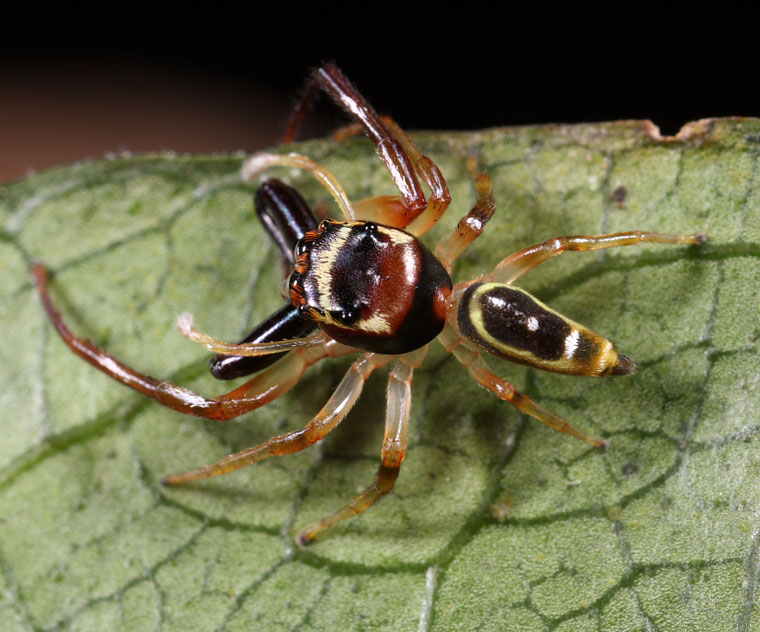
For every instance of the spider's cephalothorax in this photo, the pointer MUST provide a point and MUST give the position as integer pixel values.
(370, 286)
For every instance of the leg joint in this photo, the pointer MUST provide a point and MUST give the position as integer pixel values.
(386, 478)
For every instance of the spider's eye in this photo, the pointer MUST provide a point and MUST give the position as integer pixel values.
(348, 315)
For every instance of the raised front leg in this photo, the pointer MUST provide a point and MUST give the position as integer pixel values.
(405, 162)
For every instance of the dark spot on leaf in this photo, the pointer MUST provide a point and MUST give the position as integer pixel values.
(618, 195)
(752, 138)
(629, 469)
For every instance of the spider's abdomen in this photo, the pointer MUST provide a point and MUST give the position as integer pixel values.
(511, 324)
(370, 286)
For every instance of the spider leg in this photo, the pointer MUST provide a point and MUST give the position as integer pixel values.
(390, 209)
(405, 162)
(471, 225)
(245, 349)
(482, 374)
(332, 413)
(399, 400)
(517, 264)
(262, 389)
(259, 162)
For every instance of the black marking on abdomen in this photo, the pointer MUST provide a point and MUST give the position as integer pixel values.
(587, 350)
(514, 319)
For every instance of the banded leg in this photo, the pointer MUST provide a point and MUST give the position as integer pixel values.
(470, 226)
(334, 411)
(514, 266)
(482, 374)
(264, 388)
(399, 400)
(403, 159)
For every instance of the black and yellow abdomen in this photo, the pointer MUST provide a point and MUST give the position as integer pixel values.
(511, 324)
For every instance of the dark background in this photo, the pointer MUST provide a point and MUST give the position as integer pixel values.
(230, 85)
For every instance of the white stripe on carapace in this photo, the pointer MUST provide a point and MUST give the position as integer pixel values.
(375, 324)
(396, 235)
(324, 267)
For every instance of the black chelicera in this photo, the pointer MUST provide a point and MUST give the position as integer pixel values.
(370, 286)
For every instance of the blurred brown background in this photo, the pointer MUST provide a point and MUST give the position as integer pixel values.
(70, 96)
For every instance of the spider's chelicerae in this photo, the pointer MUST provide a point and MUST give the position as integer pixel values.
(370, 286)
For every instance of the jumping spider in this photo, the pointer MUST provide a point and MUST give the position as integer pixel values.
(369, 286)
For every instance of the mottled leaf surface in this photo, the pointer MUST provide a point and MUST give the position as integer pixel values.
(497, 523)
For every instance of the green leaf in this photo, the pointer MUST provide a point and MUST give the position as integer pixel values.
(496, 523)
